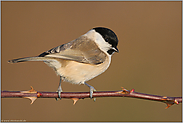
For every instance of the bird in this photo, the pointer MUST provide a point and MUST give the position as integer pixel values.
(82, 59)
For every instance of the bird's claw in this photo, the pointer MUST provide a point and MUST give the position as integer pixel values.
(59, 95)
(59, 89)
(92, 89)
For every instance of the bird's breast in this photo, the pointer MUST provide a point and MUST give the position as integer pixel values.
(78, 73)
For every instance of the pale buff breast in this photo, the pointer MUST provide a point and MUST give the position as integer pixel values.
(78, 73)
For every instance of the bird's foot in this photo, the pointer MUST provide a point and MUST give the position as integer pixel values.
(59, 94)
(92, 89)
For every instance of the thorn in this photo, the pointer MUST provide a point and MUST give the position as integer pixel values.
(124, 91)
(32, 99)
(168, 105)
(132, 91)
(75, 100)
(164, 98)
(30, 91)
(176, 102)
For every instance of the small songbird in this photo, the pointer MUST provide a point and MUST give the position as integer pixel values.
(81, 59)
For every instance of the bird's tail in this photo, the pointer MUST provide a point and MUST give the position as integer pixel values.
(28, 59)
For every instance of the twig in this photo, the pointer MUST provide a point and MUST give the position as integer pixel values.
(75, 96)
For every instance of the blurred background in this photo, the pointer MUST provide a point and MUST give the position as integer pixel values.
(149, 60)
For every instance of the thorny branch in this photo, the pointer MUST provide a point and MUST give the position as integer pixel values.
(75, 96)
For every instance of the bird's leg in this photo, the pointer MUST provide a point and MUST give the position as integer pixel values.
(59, 89)
(91, 90)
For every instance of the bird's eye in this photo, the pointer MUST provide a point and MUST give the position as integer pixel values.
(107, 39)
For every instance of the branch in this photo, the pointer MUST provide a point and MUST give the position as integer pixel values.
(75, 96)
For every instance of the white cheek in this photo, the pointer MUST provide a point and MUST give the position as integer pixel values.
(103, 45)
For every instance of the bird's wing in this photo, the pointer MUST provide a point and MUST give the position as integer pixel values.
(82, 50)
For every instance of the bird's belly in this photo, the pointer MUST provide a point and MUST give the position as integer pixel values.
(78, 73)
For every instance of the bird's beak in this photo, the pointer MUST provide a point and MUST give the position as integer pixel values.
(116, 49)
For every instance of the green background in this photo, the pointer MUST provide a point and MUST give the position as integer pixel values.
(149, 60)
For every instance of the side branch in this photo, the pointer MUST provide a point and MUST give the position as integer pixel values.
(75, 96)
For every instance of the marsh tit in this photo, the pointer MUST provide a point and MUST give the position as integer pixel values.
(81, 59)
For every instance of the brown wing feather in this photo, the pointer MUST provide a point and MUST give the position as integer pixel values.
(82, 50)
